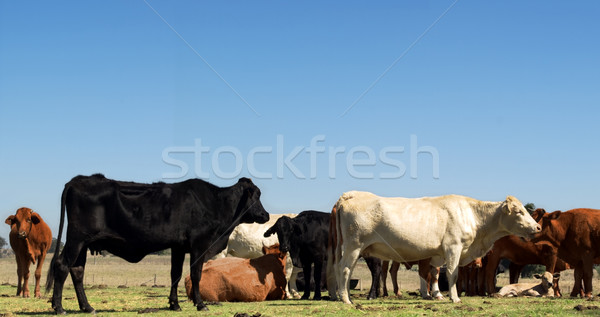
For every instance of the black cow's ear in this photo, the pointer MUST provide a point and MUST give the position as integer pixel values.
(245, 180)
(269, 232)
(10, 220)
(35, 218)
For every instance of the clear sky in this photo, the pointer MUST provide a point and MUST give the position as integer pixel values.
(503, 95)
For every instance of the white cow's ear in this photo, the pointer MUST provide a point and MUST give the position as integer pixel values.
(506, 207)
(511, 204)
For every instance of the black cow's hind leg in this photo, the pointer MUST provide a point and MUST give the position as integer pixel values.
(375, 266)
(77, 271)
(177, 257)
(317, 275)
(196, 263)
(67, 257)
(307, 268)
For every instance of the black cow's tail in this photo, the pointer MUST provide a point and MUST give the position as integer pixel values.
(50, 278)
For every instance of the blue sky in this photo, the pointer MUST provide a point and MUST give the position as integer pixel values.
(505, 92)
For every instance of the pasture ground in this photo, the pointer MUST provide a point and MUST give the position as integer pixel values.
(114, 287)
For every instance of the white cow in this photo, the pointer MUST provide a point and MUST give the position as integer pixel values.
(543, 288)
(247, 240)
(448, 229)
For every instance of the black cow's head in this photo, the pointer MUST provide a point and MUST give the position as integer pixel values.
(249, 207)
(22, 223)
(284, 227)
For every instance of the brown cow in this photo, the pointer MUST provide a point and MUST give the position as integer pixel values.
(521, 253)
(30, 238)
(576, 236)
(234, 279)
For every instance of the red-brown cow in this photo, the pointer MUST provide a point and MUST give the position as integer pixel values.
(576, 236)
(30, 238)
(521, 253)
(234, 279)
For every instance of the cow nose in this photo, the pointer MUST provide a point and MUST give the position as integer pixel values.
(538, 228)
(22, 235)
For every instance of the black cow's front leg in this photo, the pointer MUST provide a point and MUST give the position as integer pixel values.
(77, 271)
(177, 257)
(196, 263)
(317, 274)
(307, 268)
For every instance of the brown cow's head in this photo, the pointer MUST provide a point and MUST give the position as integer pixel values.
(517, 220)
(538, 214)
(551, 229)
(22, 222)
(274, 250)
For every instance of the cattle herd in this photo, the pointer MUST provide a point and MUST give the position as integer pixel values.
(240, 253)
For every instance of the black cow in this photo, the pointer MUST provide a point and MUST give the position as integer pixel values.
(305, 237)
(131, 220)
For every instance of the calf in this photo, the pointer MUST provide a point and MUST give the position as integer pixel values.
(305, 237)
(30, 238)
(543, 288)
(233, 279)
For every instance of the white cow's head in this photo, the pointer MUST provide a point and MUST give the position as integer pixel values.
(517, 220)
(547, 280)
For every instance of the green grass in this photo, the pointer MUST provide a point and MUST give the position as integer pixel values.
(130, 301)
(113, 300)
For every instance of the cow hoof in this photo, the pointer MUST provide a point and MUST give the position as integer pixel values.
(305, 297)
(317, 298)
(88, 309)
(174, 307)
(60, 312)
(202, 308)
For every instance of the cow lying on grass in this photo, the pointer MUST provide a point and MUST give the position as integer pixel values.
(247, 241)
(543, 288)
(234, 279)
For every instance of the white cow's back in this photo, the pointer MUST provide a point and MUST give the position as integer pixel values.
(406, 229)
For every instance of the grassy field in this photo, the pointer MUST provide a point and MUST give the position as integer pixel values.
(114, 288)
